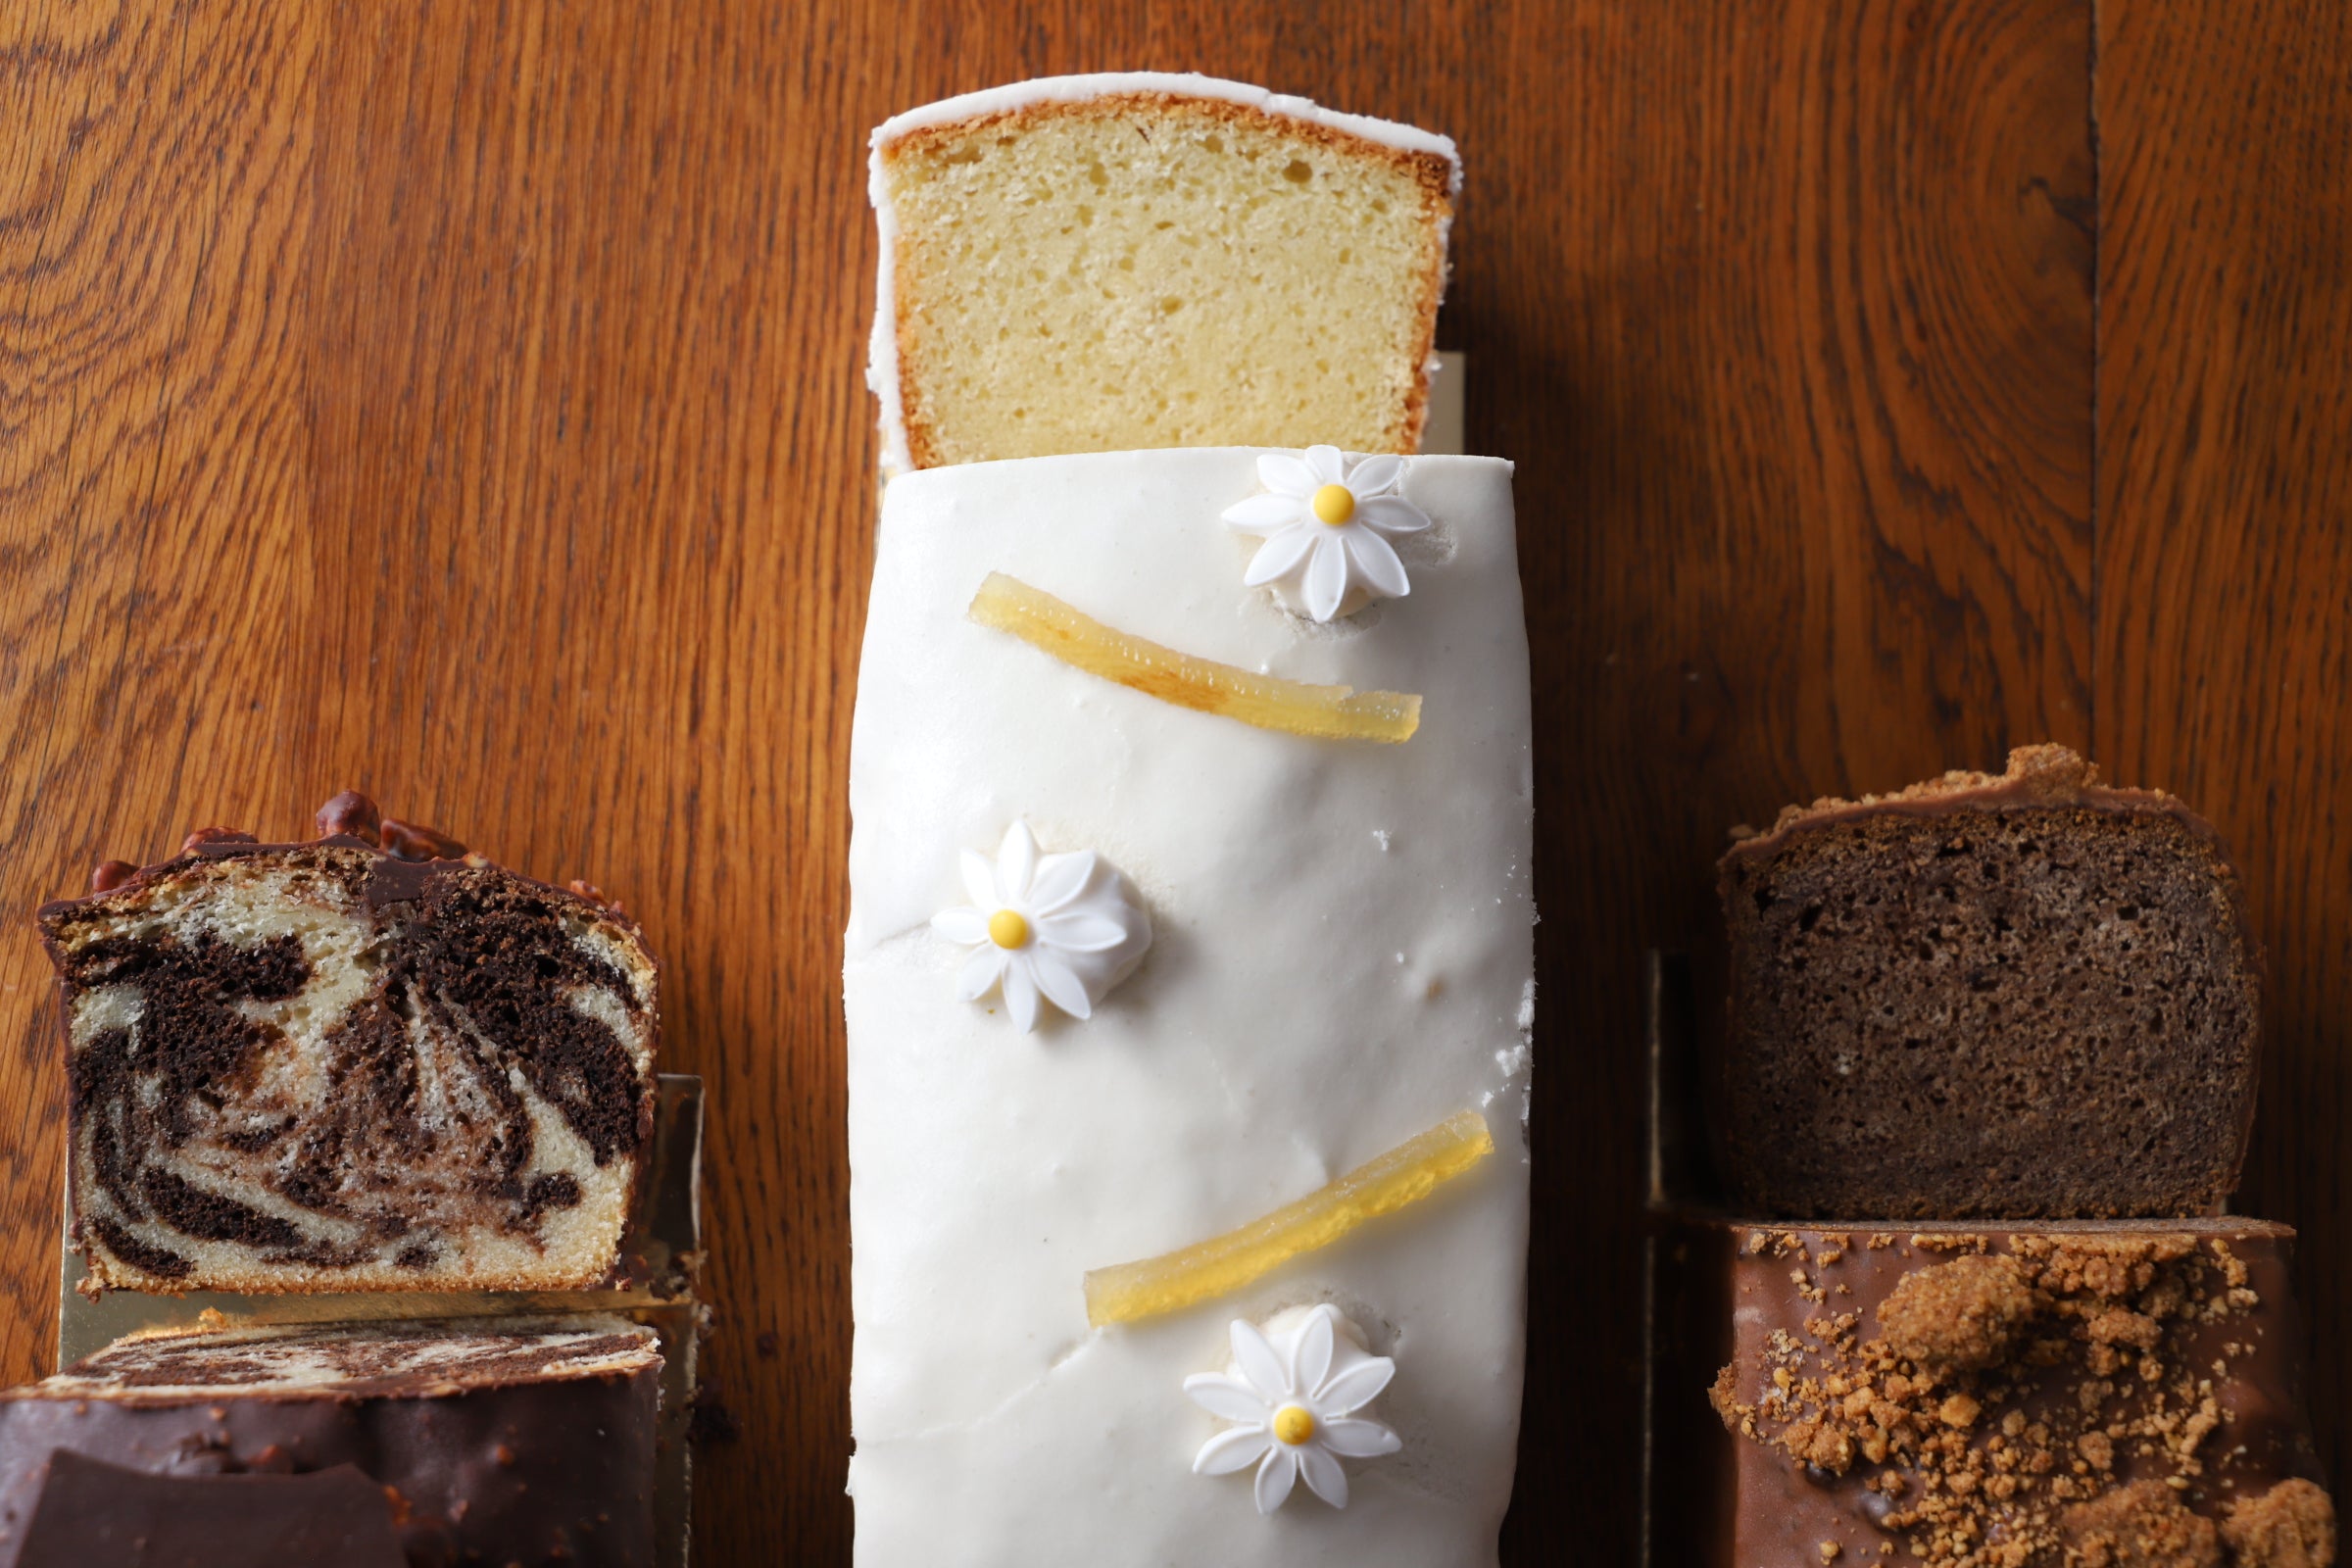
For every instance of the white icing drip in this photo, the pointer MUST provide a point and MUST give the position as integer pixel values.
(882, 354)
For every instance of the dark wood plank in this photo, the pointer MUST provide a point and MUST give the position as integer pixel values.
(465, 403)
(2225, 555)
(1786, 313)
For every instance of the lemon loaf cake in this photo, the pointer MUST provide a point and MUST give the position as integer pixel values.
(369, 1061)
(1189, 991)
(1087, 263)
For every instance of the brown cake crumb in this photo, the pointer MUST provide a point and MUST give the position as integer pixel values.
(2291, 1526)
(1989, 997)
(2138, 1526)
(1957, 1316)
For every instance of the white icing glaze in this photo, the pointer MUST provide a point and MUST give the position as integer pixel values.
(1317, 566)
(882, 355)
(1081, 928)
(1306, 1369)
(1270, 1042)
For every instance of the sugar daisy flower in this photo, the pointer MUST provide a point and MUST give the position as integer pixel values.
(1292, 1399)
(1328, 524)
(1057, 928)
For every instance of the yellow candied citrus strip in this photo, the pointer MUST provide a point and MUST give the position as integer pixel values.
(1329, 713)
(1223, 1264)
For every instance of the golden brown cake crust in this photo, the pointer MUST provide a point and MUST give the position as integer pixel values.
(1433, 173)
(2042, 774)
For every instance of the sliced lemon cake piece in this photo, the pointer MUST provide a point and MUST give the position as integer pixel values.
(1101, 262)
(369, 1061)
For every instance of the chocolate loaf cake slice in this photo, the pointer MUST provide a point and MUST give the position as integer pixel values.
(2040, 1395)
(491, 1441)
(2023, 996)
(371, 1062)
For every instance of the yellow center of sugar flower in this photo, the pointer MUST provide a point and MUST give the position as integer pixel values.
(1334, 504)
(1294, 1425)
(1007, 929)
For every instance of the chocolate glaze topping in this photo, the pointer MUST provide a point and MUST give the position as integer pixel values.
(90, 1512)
(2002, 1398)
(485, 1456)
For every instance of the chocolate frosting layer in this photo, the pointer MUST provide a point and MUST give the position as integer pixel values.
(489, 1452)
(1995, 1396)
(93, 1513)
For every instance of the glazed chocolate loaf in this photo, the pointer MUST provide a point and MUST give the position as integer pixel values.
(371, 1062)
(514, 1440)
(2023, 996)
(2042, 1396)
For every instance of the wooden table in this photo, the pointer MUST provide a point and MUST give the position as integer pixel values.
(463, 403)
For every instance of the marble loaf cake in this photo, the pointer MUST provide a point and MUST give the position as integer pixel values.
(2045, 1394)
(489, 1441)
(2019, 995)
(371, 1062)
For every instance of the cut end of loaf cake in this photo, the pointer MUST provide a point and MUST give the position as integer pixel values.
(366, 1062)
(386, 1360)
(1091, 264)
(2023, 994)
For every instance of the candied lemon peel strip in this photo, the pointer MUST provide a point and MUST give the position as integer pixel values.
(1223, 1264)
(1296, 707)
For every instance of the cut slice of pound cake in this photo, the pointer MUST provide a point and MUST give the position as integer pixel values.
(485, 1441)
(1104, 263)
(371, 1062)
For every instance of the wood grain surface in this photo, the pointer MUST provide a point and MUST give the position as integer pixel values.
(2224, 634)
(464, 402)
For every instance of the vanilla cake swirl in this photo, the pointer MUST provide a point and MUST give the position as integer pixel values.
(371, 1062)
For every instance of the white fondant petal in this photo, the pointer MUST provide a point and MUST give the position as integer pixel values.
(1324, 1477)
(1326, 582)
(979, 974)
(1226, 1397)
(980, 882)
(1236, 1449)
(1376, 562)
(1080, 933)
(1264, 513)
(1276, 1474)
(1059, 879)
(1016, 862)
(1310, 1351)
(1285, 474)
(1260, 1361)
(1059, 983)
(1355, 1385)
(1020, 992)
(1390, 514)
(962, 924)
(1375, 476)
(1328, 465)
(1279, 555)
(1358, 1440)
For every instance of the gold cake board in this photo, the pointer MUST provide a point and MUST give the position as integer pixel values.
(664, 1253)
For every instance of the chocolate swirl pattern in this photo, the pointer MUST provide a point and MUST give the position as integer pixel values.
(324, 1067)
